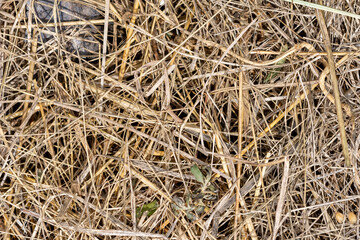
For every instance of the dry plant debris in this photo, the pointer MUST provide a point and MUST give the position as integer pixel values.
(352, 218)
(183, 120)
(339, 217)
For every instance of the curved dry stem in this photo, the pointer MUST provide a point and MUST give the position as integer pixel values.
(322, 77)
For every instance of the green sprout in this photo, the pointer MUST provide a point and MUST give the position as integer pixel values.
(150, 208)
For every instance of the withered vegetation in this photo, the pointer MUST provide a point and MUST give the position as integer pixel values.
(105, 115)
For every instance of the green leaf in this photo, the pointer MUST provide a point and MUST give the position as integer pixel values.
(197, 173)
(191, 216)
(150, 208)
(273, 74)
(200, 209)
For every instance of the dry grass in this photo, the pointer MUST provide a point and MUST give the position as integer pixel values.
(240, 87)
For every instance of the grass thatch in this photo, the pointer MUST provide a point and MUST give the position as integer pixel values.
(103, 146)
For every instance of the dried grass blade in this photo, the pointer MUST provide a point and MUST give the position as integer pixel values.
(335, 86)
(324, 8)
(281, 201)
(130, 32)
(161, 80)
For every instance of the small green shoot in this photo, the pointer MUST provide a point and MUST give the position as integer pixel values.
(150, 208)
(197, 174)
(274, 73)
